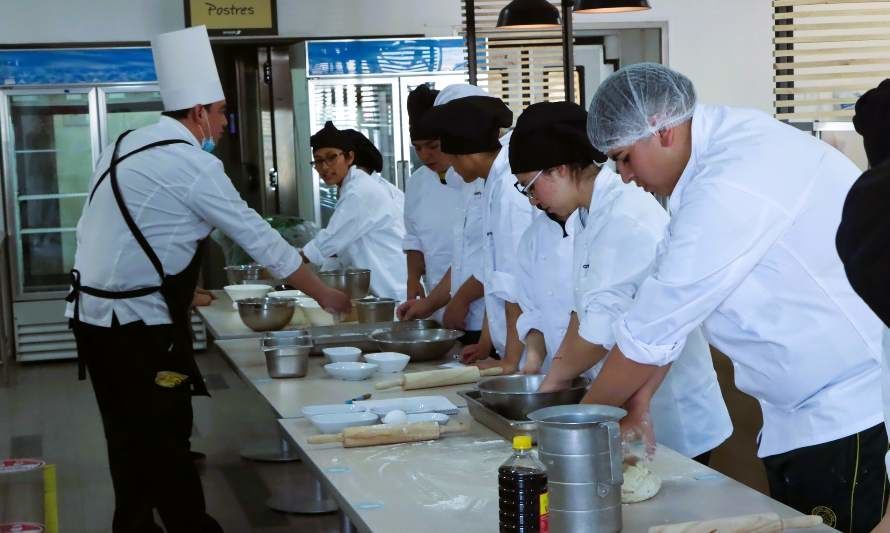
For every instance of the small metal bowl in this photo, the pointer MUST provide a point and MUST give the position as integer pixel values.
(238, 274)
(420, 344)
(425, 323)
(516, 395)
(266, 314)
(288, 361)
(372, 309)
(355, 282)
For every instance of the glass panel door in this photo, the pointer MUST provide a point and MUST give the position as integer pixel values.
(127, 108)
(367, 105)
(51, 145)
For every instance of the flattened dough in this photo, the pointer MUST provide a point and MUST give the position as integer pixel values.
(640, 484)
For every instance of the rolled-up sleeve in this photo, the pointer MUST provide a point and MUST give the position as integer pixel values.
(349, 222)
(532, 316)
(718, 234)
(215, 199)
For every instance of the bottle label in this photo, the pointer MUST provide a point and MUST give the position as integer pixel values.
(545, 513)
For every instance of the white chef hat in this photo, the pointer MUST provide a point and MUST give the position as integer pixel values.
(458, 90)
(186, 70)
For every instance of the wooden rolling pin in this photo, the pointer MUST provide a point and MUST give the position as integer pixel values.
(753, 523)
(356, 437)
(439, 378)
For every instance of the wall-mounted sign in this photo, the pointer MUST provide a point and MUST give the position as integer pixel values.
(233, 18)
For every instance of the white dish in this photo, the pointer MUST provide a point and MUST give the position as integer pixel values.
(441, 418)
(389, 362)
(314, 313)
(329, 409)
(411, 404)
(350, 371)
(337, 422)
(240, 292)
(343, 354)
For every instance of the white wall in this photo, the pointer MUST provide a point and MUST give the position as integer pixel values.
(62, 21)
(724, 46)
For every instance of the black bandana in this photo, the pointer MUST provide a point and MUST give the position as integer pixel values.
(872, 121)
(469, 125)
(366, 154)
(331, 137)
(549, 134)
(420, 100)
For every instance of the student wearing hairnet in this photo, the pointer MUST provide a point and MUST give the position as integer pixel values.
(615, 230)
(749, 254)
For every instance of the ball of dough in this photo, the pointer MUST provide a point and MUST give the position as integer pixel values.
(395, 417)
(640, 484)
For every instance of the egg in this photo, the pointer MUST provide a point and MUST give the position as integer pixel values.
(395, 417)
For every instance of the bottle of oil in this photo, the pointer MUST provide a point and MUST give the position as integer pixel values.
(523, 498)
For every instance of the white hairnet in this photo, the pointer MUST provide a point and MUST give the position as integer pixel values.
(458, 90)
(637, 101)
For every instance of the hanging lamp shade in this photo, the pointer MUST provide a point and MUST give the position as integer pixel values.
(610, 6)
(528, 15)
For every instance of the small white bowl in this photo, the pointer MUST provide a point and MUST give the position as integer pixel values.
(350, 371)
(342, 354)
(337, 422)
(240, 292)
(316, 315)
(389, 362)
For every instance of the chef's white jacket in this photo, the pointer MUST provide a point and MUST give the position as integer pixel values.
(432, 210)
(366, 231)
(545, 294)
(750, 254)
(466, 258)
(506, 214)
(176, 194)
(615, 246)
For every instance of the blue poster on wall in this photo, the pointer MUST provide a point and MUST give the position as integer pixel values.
(386, 56)
(76, 66)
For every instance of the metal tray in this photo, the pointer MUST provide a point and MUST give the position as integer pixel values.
(502, 426)
(356, 335)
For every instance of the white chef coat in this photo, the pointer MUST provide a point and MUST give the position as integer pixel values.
(432, 210)
(750, 254)
(466, 258)
(615, 247)
(545, 294)
(177, 194)
(506, 215)
(366, 231)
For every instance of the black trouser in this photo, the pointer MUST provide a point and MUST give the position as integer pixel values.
(844, 481)
(147, 429)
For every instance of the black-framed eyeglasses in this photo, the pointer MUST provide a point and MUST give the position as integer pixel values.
(528, 191)
(326, 161)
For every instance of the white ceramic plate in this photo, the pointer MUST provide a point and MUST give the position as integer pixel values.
(389, 362)
(350, 371)
(337, 422)
(427, 417)
(411, 404)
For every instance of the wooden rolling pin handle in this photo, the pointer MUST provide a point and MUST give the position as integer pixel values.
(325, 439)
(457, 427)
(390, 383)
(493, 371)
(801, 522)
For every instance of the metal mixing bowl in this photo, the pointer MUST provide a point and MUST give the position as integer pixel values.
(266, 314)
(417, 324)
(372, 309)
(355, 282)
(420, 344)
(238, 274)
(516, 395)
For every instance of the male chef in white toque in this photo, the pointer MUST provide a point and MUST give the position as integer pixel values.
(155, 196)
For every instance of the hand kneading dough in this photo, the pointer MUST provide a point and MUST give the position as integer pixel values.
(640, 484)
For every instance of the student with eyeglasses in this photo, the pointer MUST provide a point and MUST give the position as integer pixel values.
(367, 227)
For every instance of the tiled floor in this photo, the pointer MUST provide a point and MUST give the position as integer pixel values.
(46, 412)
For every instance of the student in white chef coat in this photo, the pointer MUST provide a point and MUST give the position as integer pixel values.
(469, 129)
(617, 229)
(367, 227)
(750, 254)
(155, 195)
(433, 205)
(459, 295)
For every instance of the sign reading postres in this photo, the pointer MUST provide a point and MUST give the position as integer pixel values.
(233, 18)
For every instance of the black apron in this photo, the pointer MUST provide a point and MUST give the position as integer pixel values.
(177, 290)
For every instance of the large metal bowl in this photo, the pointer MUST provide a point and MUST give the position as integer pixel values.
(266, 314)
(238, 274)
(420, 344)
(355, 282)
(371, 309)
(516, 395)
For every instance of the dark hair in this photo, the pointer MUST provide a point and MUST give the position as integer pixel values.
(180, 114)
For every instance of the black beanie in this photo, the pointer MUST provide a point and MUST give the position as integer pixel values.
(549, 134)
(420, 100)
(872, 121)
(330, 137)
(469, 125)
(366, 154)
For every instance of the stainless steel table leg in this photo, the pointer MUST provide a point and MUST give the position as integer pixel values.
(345, 525)
(270, 452)
(295, 501)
